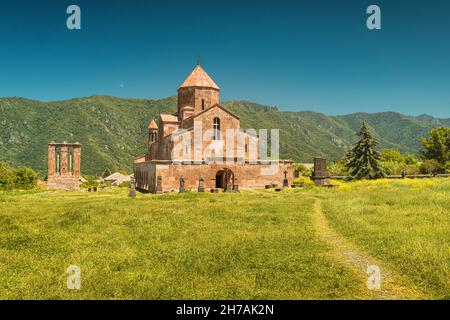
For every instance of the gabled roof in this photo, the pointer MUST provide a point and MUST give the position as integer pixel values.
(212, 107)
(152, 124)
(199, 78)
(168, 118)
(115, 176)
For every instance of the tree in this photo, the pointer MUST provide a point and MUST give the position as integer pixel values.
(338, 168)
(106, 173)
(25, 178)
(392, 155)
(6, 177)
(363, 160)
(393, 162)
(437, 146)
(299, 169)
(122, 171)
(431, 167)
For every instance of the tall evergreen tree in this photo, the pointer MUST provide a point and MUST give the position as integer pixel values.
(363, 159)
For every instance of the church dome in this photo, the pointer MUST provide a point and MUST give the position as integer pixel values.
(199, 78)
(152, 125)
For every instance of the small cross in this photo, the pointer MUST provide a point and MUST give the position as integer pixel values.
(198, 59)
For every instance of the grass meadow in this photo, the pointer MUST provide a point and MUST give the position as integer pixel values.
(257, 244)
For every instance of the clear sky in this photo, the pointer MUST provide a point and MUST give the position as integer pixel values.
(298, 55)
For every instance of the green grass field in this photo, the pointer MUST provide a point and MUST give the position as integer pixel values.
(296, 244)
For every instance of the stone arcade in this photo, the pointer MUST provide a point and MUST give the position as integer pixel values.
(64, 165)
(198, 103)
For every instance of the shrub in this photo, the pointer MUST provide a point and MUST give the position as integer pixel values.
(106, 184)
(25, 178)
(91, 181)
(409, 159)
(308, 173)
(126, 184)
(394, 163)
(106, 173)
(431, 167)
(122, 171)
(337, 169)
(302, 181)
(396, 168)
(6, 177)
(391, 155)
(299, 168)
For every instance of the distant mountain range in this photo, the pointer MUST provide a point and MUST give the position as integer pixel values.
(114, 130)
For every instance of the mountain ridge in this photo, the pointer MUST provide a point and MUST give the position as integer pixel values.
(114, 130)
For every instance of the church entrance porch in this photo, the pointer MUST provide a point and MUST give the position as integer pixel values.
(225, 180)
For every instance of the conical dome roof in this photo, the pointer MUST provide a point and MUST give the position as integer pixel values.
(199, 78)
(152, 125)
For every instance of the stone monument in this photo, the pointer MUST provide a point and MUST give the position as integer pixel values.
(229, 180)
(158, 189)
(182, 183)
(285, 180)
(201, 185)
(64, 166)
(132, 193)
(320, 176)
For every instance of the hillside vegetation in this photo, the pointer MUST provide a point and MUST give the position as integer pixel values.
(114, 130)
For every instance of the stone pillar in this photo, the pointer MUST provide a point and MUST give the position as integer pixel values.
(58, 163)
(77, 161)
(51, 160)
(64, 160)
(70, 162)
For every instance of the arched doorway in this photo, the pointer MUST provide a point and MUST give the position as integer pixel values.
(225, 179)
(220, 175)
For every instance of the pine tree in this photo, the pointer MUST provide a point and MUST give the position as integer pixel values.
(363, 159)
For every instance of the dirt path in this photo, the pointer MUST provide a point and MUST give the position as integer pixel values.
(358, 260)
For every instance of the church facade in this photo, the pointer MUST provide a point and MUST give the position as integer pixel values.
(202, 146)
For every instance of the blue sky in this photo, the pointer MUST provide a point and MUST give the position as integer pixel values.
(297, 55)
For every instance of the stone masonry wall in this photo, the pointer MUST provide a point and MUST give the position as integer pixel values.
(193, 97)
(248, 176)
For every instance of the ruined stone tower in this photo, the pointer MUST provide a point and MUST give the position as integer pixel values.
(64, 165)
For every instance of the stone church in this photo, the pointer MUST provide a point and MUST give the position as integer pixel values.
(202, 146)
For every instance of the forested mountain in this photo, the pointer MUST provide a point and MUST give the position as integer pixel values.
(114, 130)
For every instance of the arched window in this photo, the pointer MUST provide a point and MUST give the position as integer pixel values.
(153, 136)
(216, 128)
(203, 104)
